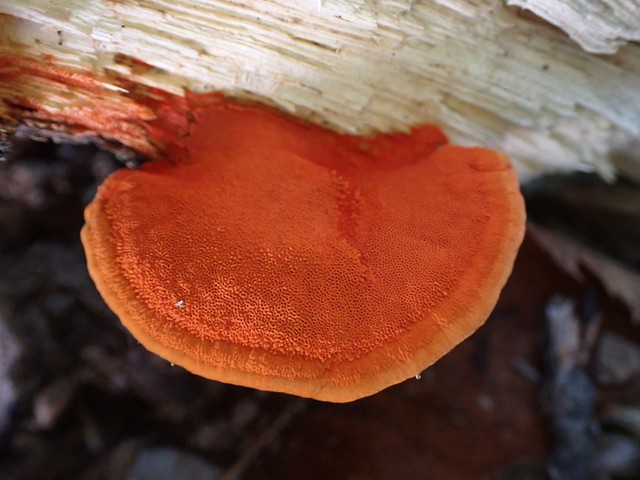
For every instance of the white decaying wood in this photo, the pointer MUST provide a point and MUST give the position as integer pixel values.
(598, 26)
(481, 70)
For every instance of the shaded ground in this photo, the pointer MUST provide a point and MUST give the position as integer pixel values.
(80, 399)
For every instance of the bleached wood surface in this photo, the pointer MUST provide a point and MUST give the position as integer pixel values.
(485, 71)
(598, 26)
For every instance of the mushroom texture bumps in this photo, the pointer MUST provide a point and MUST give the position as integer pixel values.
(281, 256)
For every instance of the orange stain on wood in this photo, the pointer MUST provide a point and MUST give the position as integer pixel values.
(282, 256)
(79, 102)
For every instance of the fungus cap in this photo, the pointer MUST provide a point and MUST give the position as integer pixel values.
(285, 257)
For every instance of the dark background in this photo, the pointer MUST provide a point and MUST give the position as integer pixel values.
(80, 399)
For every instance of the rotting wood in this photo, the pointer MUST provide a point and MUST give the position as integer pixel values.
(488, 74)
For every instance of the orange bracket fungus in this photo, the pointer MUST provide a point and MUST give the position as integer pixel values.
(278, 255)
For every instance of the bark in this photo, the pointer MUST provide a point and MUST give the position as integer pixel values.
(487, 72)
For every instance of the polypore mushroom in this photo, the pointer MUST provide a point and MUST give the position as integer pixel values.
(285, 257)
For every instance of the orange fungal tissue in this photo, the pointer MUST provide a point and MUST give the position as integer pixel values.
(278, 255)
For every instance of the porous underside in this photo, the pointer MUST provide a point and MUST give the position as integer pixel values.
(285, 257)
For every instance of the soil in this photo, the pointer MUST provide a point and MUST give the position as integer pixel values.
(81, 399)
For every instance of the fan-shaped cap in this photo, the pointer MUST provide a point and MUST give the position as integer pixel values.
(286, 257)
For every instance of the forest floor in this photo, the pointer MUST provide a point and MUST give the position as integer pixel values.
(81, 399)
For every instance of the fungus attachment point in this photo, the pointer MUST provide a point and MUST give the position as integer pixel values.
(318, 264)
